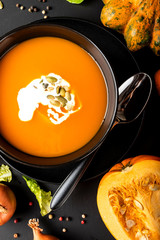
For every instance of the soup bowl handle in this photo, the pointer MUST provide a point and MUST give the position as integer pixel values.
(134, 94)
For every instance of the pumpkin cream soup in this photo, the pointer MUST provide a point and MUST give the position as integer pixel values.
(53, 97)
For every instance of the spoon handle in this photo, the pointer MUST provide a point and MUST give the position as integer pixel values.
(70, 182)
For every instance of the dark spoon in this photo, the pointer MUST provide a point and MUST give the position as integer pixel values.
(134, 94)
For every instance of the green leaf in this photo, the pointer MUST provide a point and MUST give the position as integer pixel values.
(75, 1)
(5, 173)
(43, 198)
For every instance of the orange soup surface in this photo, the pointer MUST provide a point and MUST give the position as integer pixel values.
(40, 136)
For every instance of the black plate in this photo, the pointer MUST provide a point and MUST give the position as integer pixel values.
(121, 138)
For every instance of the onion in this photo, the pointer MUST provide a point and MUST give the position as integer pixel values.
(7, 203)
(37, 232)
(157, 80)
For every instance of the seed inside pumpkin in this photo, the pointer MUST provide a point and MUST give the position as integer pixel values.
(154, 187)
(138, 204)
(130, 223)
(123, 210)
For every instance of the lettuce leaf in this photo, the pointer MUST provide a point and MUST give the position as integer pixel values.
(43, 198)
(5, 173)
(75, 1)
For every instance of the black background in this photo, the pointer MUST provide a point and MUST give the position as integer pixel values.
(83, 199)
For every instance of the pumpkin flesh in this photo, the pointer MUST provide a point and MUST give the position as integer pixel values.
(128, 199)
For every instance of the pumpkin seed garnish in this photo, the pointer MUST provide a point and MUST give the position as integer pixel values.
(55, 103)
(62, 100)
(58, 89)
(62, 92)
(51, 80)
(50, 97)
(45, 85)
(66, 88)
(1, 5)
(50, 88)
(68, 96)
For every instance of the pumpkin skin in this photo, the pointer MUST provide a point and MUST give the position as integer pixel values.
(128, 199)
(137, 20)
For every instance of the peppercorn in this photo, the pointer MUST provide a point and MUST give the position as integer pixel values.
(43, 12)
(82, 222)
(30, 203)
(68, 219)
(48, 7)
(16, 220)
(22, 7)
(35, 9)
(15, 235)
(50, 216)
(60, 218)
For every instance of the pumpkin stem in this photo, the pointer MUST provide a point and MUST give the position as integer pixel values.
(3, 209)
(127, 165)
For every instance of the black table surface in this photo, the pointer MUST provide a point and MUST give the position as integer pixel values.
(83, 199)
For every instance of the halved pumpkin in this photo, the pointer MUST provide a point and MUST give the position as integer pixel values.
(128, 199)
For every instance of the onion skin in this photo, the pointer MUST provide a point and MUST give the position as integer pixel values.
(157, 81)
(7, 203)
(37, 231)
(41, 236)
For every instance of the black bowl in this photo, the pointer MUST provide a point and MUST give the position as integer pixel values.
(48, 29)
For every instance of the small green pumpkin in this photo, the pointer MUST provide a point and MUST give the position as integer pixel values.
(137, 20)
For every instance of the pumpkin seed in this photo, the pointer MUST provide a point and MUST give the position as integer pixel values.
(138, 204)
(51, 97)
(145, 231)
(154, 187)
(58, 89)
(62, 100)
(55, 103)
(51, 80)
(68, 96)
(123, 210)
(45, 85)
(62, 92)
(66, 88)
(69, 107)
(145, 182)
(1, 5)
(130, 223)
(50, 88)
(144, 238)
